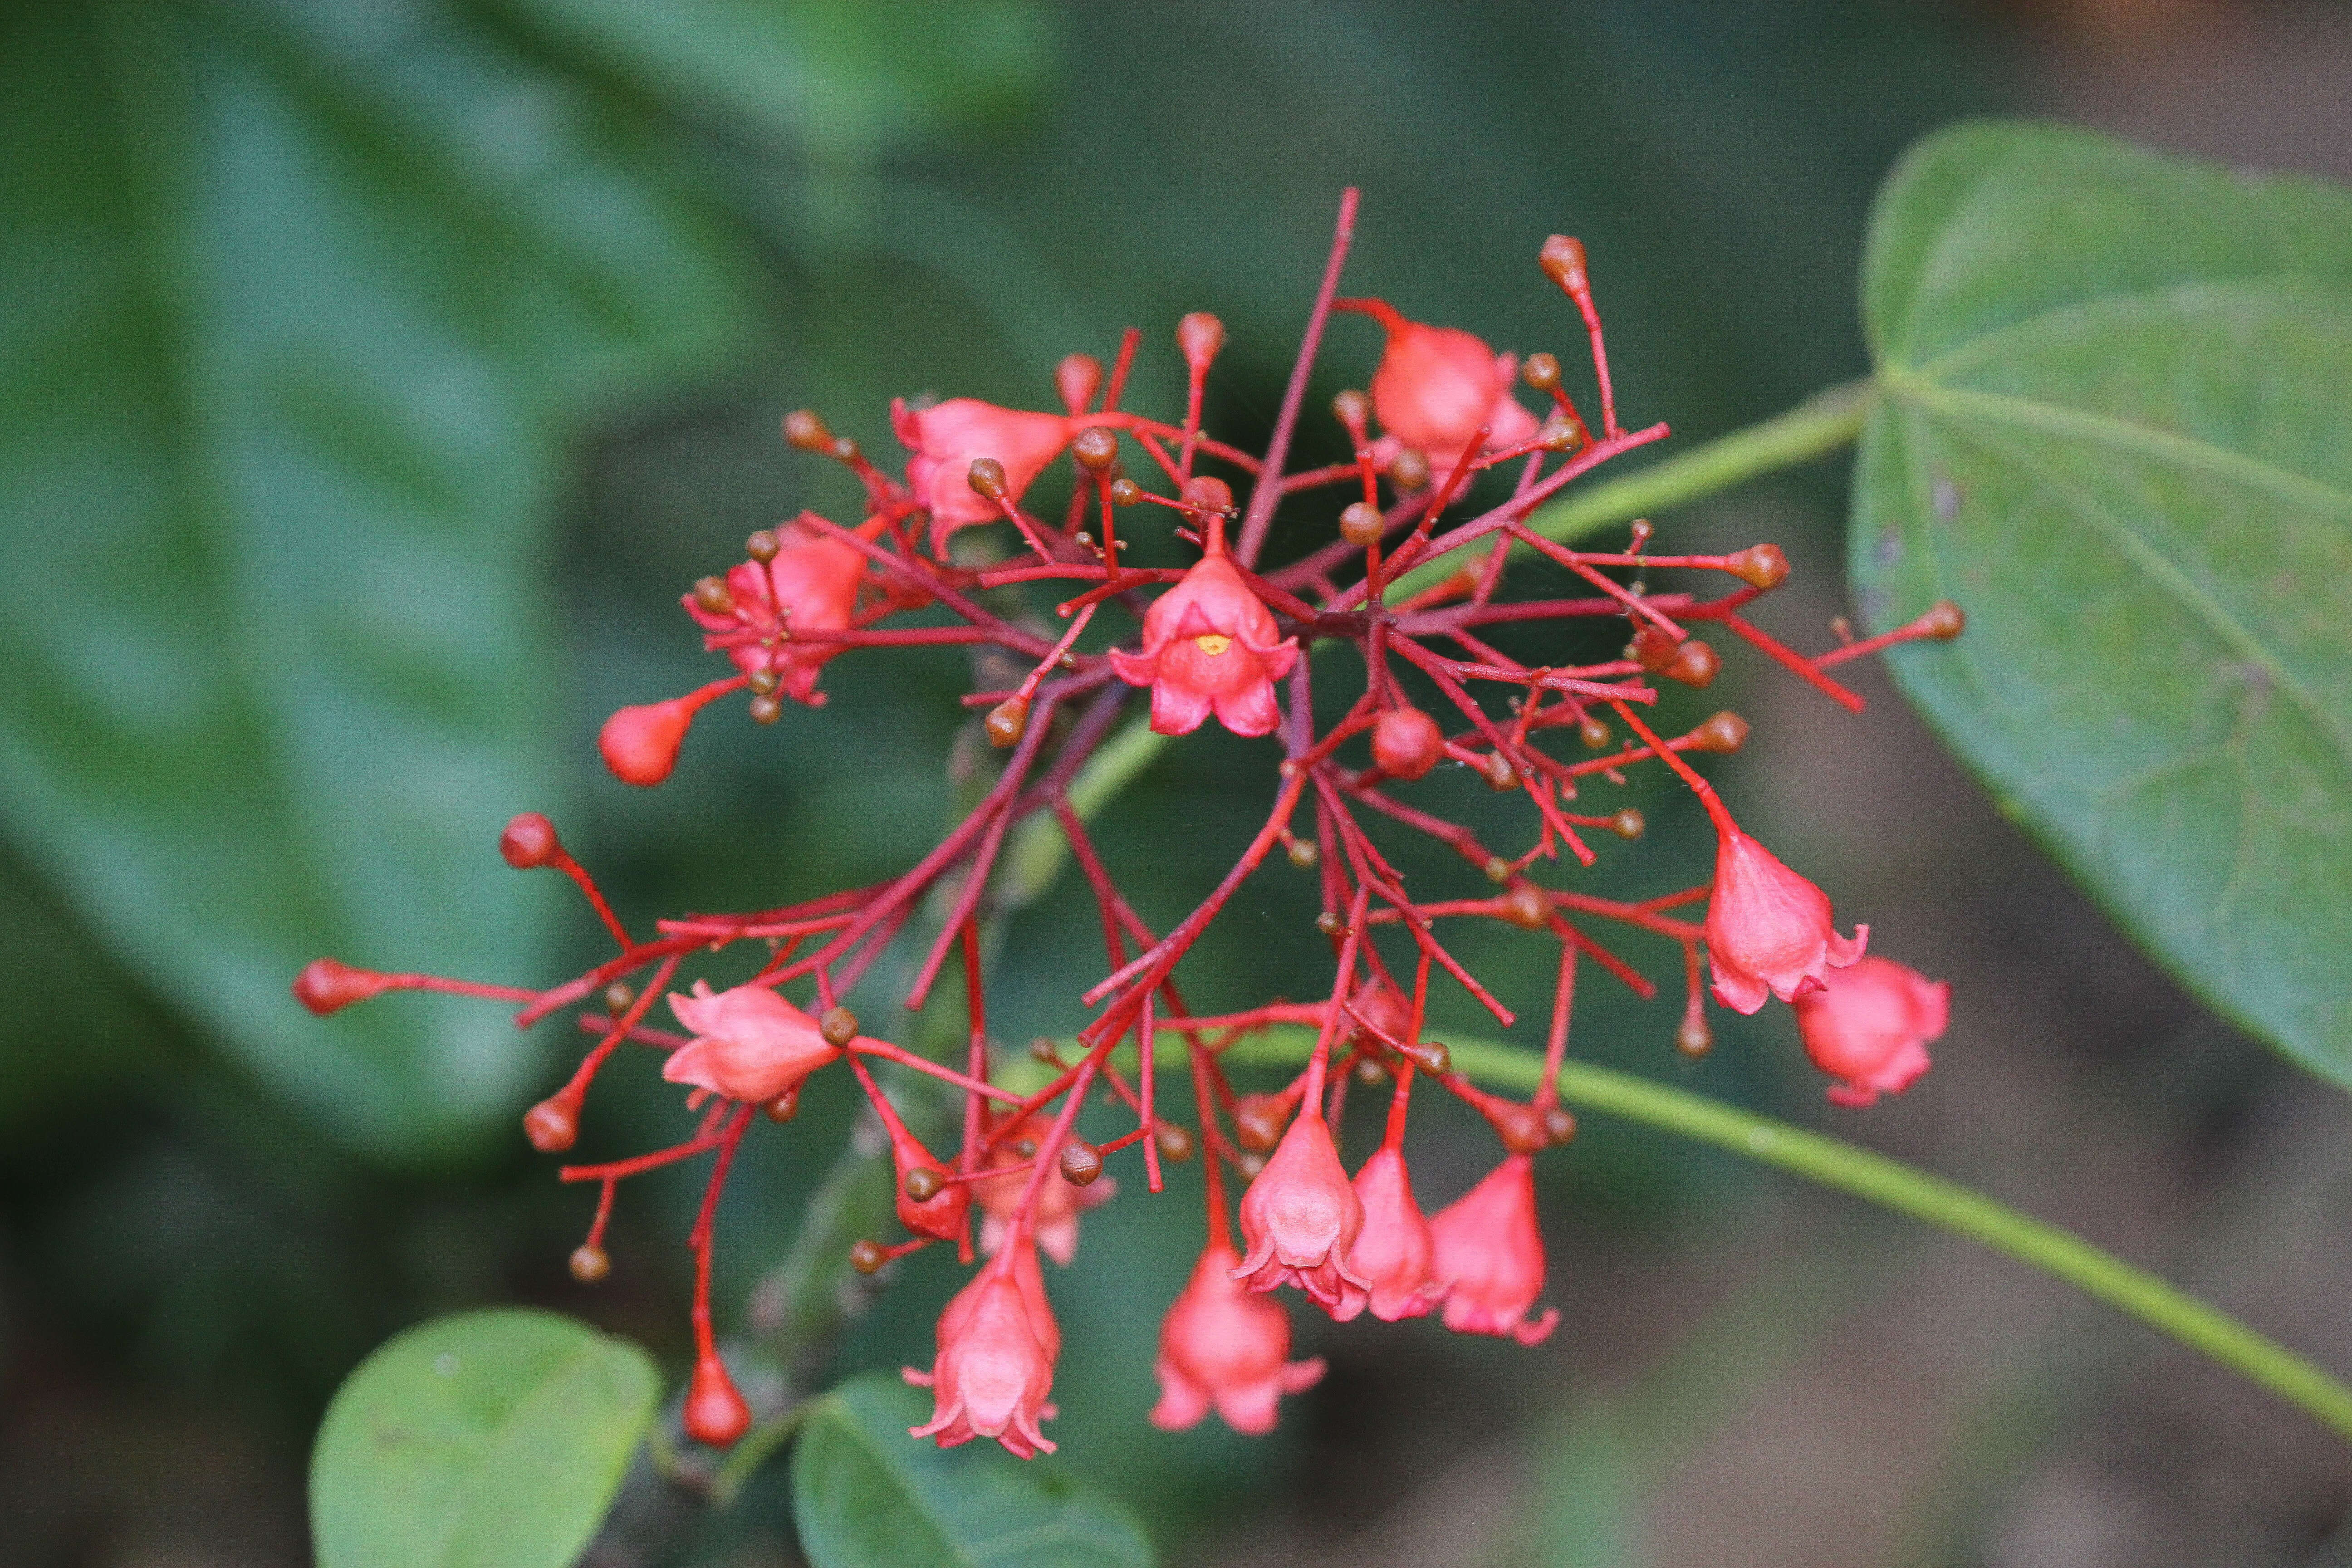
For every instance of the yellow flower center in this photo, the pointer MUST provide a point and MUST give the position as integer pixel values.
(1212, 645)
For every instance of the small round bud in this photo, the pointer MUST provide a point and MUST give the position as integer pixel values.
(1096, 450)
(714, 598)
(617, 997)
(1499, 773)
(328, 984)
(1653, 648)
(987, 478)
(1561, 433)
(1759, 565)
(1520, 1127)
(767, 707)
(784, 1107)
(868, 1257)
(1562, 259)
(1124, 492)
(714, 1413)
(1725, 732)
(1694, 664)
(1431, 1057)
(1259, 1118)
(1361, 525)
(1008, 721)
(553, 1125)
(1044, 1048)
(1371, 1073)
(1249, 1164)
(1330, 923)
(1944, 621)
(1081, 1163)
(764, 681)
(1498, 870)
(1078, 377)
(838, 1025)
(640, 744)
(844, 450)
(1407, 744)
(1025, 1147)
(590, 1263)
(1352, 409)
(1206, 492)
(1638, 536)
(1526, 906)
(804, 429)
(1693, 1038)
(1559, 1123)
(529, 841)
(1304, 853)
(1627, 824)
(1409, 469)
(1200, 337)
(762, 546)
(1541, 372)
(923, 1184)
(1593, 731)
(1175, 1143)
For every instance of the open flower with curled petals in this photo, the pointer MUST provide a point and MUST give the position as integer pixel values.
(749, 1043)
(810, 584)
(947, 437)
(1300, 1217)
(1395, 1250)
(1221, 1347)
(1435, 386)
(992, 1373)
(1768, 929)
(1869, 1025)
(1491, 1254)
(1209, 644)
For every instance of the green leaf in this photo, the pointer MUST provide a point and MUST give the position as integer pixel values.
(303, 301)
(2113, 431)
(487, 1440)
(866, 1495)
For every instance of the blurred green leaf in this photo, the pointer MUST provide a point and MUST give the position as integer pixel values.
(2113, 432)
(866, 1495)
(302, 302)
(487, 1440)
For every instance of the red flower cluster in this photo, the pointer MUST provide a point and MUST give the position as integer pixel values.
(1226, 636)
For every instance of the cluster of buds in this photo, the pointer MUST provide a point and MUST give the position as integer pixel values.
(1229, 638)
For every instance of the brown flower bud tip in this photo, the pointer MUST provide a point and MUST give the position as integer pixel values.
(1594, 733)
(762, 546)
(1205, 492)
(1693, 1038)
(1559, 1123)
(1407, 744)
(1081, 1163)
(1560, 434)
(868, 1257)
(844, 450)
(1638, 536)
(1330, 923)
(553, 1125)
(1759, 565)
(1944, 621)
(1304, 853)
(1352, 408)
(328, 984)
(1371, 1073)
(617, 997)
(1628, 822)
(590, 1263)
(529, 841)
(764, 682)
(1025, 1147)
(1008, 721)
(1431, 1057)
(1249, 1164)
(838, 1025)
(1259, 1118)
(1562, 259)
(1044, 1048)
(1409, 469)
(1200, 337)
(1499, 773)
(1096, 450)
(923, 1184)
(1124, 492)
(1526, 906)
(1497, 869)
(1724, 732)
(987, 478)
(1694, 664)
(767, 707)
(1652, 648)
(1520, 1127)
(1078, 377)
(803, 429)
(784, 1107)
(1541, 372)
(1361, 525)
(1175, 1143)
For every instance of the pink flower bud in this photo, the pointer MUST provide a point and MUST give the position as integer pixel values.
(749, 1043)
(945, 439)
(1395, 1250)
(1407, 743)
(1300, 1218)
(329, 985)
(1436, 385)
(530, 841)
(715, 1413)
(1200, 336)
(991, 1374)
(1491, 1254)
(640, 744)
(1221, 1347)
(1209, 644)
(1868, 1026)
(1768, 929)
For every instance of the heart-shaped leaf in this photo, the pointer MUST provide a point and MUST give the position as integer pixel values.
(486, 1440)
(2113, 431)
(866, 1495)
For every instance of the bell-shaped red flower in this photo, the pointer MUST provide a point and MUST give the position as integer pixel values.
(809, 586)
(1395, 1250)
(1300, 1217)
(947, 438)
(1491, 1254)
(992, 1373)
(1868, 1026)
(1435, 386)
(1054, 1218)
(1208, 643)
(1768, 929)
(1221, 1347)
(749, 1043)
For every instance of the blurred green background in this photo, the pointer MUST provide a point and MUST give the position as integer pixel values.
(374, 374)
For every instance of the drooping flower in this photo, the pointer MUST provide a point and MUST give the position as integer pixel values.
(1394, 1250)
(1768, 929)
(947, 438)
(1868, 1026)
(811, 585)
(1435, 386)
(1209, 643)
(1221, 1347)
(749, 1043)
(1054, 1218)
(992, 1373)
(1491, 1253)
(1300, 1218)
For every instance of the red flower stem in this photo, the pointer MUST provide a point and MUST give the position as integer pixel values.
(1802, 667)
(1340, 552)
(1643, 917)
(576, 1088)
(1716, 812)
(1556, 1044)
(457, 987)
(1264, 1017)
(1418, 541)
(618, 1170)
(1146, 1076)
(1259, 516)
(603, 1212)
(563, 862)
(1393, 1139)
(1914, 632)
(1632, 978)
(1130, 575)
(1213, 1171)
(975, 1007)
(1369, 867)
(1312, 1099)
(903, 636)
(1279, 598)
(929, 582)
(1120, 365)
(604, 974)
(973, 1084)
(1028, 688)
(728, 930)
(1634, 604)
